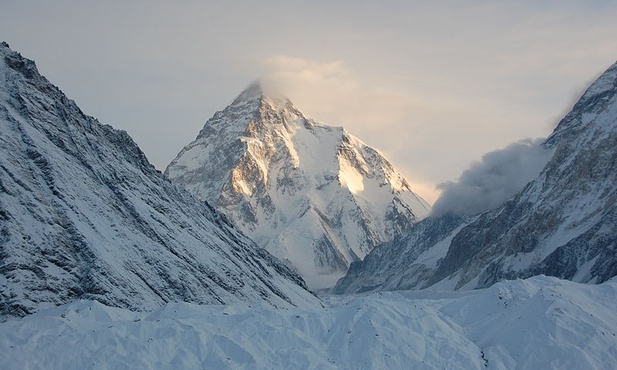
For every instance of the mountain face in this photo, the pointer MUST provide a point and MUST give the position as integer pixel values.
(311, 194)
(84, 215)
(563, 223)
(405, 262)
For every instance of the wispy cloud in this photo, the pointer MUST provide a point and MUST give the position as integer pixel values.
(332, 91)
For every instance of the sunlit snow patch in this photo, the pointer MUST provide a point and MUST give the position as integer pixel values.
(350, 177)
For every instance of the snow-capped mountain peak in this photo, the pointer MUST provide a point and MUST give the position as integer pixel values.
(264, 94)
(312, 194)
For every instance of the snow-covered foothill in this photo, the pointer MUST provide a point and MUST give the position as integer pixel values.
(539, 323)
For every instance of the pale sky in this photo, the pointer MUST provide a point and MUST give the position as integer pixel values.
(431, 84)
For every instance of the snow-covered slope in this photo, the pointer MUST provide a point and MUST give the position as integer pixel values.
(84, 215)
(563, 223)
(540, 323)
(311, 194)
(405, 262)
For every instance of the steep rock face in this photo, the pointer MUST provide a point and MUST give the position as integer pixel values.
(311, 194)
(404, 262)
(564, 223)
(84, 215)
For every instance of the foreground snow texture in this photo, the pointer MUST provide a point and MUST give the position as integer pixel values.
(539, 323)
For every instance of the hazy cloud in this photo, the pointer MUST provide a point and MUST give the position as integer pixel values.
(432, 85)
(493, 180)
(334, 93)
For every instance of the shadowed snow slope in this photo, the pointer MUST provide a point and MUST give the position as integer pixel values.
(311, 194)
(563, 223)
(84, 215)
(540, 323)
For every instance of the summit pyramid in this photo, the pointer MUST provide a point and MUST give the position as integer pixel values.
(311, 194)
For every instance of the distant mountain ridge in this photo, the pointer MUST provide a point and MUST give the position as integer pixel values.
(311, 194)
(84, 215)
(563, 223)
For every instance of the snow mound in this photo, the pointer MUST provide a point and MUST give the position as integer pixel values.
(539, 323)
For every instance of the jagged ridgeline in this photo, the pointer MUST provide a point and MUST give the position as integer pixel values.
(311, 194)
(83, 214)
(563, 223)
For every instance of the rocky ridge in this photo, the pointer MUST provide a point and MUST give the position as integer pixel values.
(84, 215)
(563, 223)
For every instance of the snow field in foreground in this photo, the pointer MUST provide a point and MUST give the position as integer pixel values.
(539, 323)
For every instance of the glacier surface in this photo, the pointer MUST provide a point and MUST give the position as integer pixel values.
(538, 323)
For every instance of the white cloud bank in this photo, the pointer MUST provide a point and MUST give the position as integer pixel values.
(493, 180)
